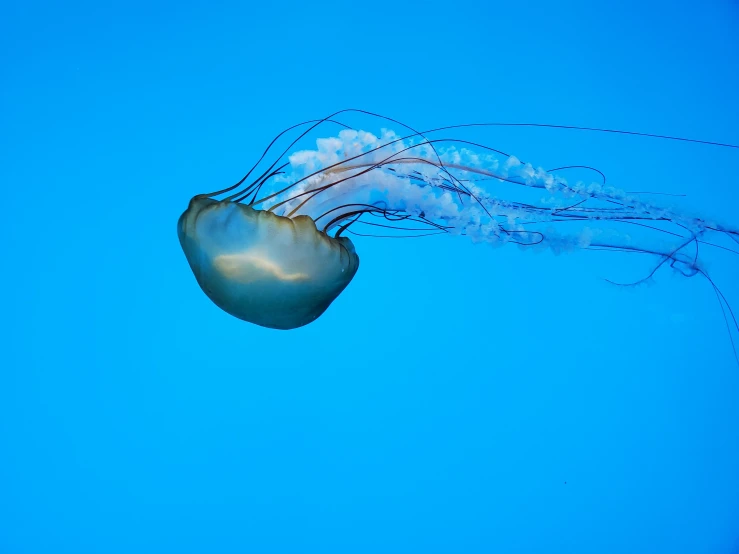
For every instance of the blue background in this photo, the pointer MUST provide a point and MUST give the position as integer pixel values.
(530, 407)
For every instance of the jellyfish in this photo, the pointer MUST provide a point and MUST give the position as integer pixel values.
(273, 249)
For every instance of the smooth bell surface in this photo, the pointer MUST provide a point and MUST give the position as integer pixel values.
(263, 268)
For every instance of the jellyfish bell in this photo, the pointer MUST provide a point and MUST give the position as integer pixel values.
(274, 271)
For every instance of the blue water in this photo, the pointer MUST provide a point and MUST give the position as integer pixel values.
(455, 398)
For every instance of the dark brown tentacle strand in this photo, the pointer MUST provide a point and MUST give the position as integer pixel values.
(591, 206)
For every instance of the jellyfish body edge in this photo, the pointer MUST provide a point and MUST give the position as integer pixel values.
(270, 270)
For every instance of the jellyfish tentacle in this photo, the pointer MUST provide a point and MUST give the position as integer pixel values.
(723, 302)
(595, 169)
(419, 184)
